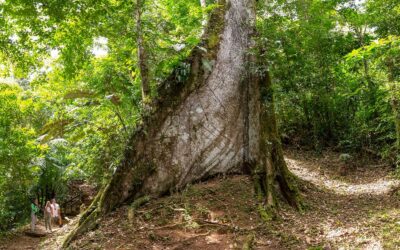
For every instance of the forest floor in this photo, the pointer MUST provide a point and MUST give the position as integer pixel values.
(22, 238)
(353, 209)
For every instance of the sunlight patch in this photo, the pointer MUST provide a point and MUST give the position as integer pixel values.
(380, 186)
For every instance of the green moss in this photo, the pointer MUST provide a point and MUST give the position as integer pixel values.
(266, 213)
(217, 23)
(91, 208)
(88, 224)
(258, 187)
(140, 202)
(213, 40)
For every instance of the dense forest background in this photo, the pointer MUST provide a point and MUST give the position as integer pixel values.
(71, 88)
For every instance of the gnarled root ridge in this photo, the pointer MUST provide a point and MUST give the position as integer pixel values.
(271, 168)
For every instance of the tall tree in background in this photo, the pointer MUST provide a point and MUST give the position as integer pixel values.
(141, 53)
(214, 115)
(203, 5)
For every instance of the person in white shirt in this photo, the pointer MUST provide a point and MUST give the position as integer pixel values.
(48, 214)
(56, 212)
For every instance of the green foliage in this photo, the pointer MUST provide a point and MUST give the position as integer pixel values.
(78, 95)
(18, 147)
(335, 65)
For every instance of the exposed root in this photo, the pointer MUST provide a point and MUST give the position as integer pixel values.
(272, 168)
(88, 224)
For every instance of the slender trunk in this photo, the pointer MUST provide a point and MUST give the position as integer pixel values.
(141, 53)
(203, 5)
(370, 84)
(121, 120)
(396, 113)
(395, 104)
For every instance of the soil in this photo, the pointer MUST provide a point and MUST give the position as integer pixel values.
(23, 238)
(357, 209)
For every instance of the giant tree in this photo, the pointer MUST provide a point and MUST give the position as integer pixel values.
(218, 118)
(212, 115)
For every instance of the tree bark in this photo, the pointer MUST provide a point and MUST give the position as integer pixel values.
(141, 53)
(395, 104)
(214, 115)
(203, 5)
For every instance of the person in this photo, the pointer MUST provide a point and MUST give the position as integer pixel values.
(34, 211)
(56, 212)
(48, 215)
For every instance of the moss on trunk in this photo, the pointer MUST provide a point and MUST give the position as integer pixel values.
(272, 167)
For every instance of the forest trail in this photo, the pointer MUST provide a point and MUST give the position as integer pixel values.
(368, 179)
(20, 240)
(357, 211)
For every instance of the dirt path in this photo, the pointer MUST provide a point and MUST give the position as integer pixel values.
(379, 186)
(20, 240)
(360, 210)
(357, 211)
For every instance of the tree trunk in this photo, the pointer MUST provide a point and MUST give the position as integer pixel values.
(141, 53)
(395, 104)
(203, 5)
(214, 115)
